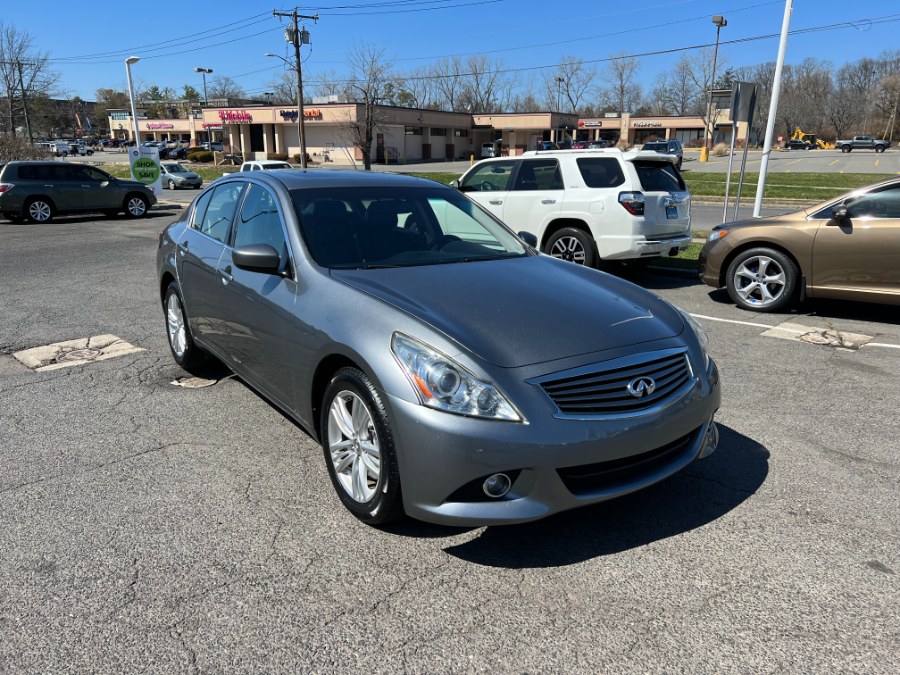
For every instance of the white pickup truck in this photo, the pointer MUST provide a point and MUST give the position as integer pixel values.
(261, 165)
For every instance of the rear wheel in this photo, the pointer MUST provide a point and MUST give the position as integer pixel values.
(572, 245)
(879, 148)
(846, 148)
(762, 280)
(39, 210)
(136, 206)
(358, 442)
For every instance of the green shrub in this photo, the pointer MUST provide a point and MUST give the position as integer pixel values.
(278, 156)
(297, 158)
(195, 148)
(200, 156)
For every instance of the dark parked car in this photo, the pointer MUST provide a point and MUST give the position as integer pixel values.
(846, 248)
(667, 148)
(38, 191)
(599, 144)
(447, 368)
(796, 144)
(581, 145)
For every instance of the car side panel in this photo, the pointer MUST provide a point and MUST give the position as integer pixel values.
(857, 259)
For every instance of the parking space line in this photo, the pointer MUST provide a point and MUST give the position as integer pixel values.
(783, 327)
(834, 162)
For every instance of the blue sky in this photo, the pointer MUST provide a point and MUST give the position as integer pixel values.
(88, 48)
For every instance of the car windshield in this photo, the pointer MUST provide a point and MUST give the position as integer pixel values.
(174, 167)
(371, 227)
(278, 165)
(656, 147)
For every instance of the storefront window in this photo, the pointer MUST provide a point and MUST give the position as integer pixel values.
(413, 131)
(461, 133)
(437, 131)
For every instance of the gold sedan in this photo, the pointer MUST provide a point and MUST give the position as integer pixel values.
(846, 248)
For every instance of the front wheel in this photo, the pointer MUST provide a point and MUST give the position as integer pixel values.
(185, 352)
(762, 280)
(358, 443)
(572, 245)
(171, 184)
(136, 206)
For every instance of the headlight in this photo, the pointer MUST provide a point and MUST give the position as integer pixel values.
(443, 384)
(715, 235)
(700, 332)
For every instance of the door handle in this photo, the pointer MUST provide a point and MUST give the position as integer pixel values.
(49, 186)
(495, 202)
(227, 276)
(548, 201)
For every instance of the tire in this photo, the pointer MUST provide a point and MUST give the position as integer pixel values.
(136, 206)
(181, 343)
(879, 148)
(39, 210)
(762, 280)
(572, 245)
(846, 148)
(171, 184)
(359, 448)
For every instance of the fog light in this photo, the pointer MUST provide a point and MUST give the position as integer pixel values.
(497, 485)
(711, 442)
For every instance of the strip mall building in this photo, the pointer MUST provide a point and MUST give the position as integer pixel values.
(404, 134)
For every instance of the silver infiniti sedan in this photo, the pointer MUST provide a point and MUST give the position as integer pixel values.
(449, 370)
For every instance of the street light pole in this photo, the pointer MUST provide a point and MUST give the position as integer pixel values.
(134, 125)
(205, 71)
(559, 82)
(719, 21)
(298, 38)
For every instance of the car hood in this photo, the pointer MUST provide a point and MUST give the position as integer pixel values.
(522, 311)
(132, 184)
(187, 175)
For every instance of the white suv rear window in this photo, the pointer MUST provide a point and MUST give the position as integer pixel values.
(659, 177)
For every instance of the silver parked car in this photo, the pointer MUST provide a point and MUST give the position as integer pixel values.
(175, 175)
(449, 370)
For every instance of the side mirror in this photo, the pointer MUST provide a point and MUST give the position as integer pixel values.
(257, 258)
(839, 212)
(529, 239)
(454, 183)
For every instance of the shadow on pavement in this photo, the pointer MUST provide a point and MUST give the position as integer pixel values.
(702, 493)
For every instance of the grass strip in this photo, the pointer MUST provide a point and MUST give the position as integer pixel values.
(807, 186)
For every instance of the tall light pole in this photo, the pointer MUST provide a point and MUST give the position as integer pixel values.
(205, 71)
(719, 22)
(297, 37)
(559, 82)
(773, 107)
(134, 125)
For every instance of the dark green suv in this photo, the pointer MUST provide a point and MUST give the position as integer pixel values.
(38, 191)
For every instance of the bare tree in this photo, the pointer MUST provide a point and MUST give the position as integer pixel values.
(416, 89)
(842, 110)
(223, 86)
(482, 85)
(569, 84)
(623, 93)
(677, 90)
(24, 73)
(371, 83)
(447, 74)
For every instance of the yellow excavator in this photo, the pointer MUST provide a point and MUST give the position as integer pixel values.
(800, 135)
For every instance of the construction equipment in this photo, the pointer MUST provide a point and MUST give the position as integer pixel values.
(800, 135)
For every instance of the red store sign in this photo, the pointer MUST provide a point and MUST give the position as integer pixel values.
(235, 116)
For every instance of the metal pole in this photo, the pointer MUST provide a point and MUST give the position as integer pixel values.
(25, 103)
(301, 127)
(712, 82)
(773, 107)
(730, 165)
(737, 198)
(134, 124)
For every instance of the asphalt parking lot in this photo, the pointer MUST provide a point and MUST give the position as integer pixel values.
(148, 527)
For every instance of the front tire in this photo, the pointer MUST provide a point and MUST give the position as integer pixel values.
(171, 184)
(181, 343)
(358, 443)
(762, 280)
(136, 206)
(39, 210)
(572, 245)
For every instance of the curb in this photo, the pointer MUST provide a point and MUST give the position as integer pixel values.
(165, 206)
(767, 204)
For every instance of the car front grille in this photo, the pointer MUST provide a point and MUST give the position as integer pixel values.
(603, 389)
(588, 478)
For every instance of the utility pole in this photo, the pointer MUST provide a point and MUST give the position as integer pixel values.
(294, 36)
(25, 102)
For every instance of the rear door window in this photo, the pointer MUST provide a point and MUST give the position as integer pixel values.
(216, 221)
(659, 177)
(539, 174)
(601, 172)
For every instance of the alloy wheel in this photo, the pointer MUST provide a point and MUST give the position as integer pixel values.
(353, 446)
(175, 325)
(40, 211)
(569, 249)
(136, 206)
(760, 281)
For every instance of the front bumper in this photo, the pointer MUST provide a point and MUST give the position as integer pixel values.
(555, 464)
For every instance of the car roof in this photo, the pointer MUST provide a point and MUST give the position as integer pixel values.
(294, 179)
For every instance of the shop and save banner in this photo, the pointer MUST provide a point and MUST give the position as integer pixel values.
(145, 167)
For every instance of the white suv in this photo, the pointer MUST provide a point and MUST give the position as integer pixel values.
(588, 205)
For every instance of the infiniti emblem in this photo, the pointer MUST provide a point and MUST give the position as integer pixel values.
(641, 387)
